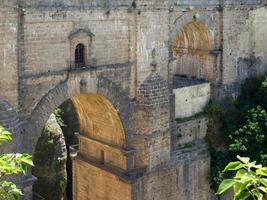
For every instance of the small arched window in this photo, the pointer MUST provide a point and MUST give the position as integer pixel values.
(80, 55)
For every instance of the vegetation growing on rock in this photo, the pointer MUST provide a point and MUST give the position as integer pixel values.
(238, 127)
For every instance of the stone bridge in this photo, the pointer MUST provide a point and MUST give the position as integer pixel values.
(124, 71)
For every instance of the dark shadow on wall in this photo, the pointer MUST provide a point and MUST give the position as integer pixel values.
(70, 118)
(248, 67)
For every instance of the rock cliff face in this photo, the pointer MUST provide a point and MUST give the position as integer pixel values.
(50, 162)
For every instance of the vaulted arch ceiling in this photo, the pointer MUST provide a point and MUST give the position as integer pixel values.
(194, 37)
(99, 119)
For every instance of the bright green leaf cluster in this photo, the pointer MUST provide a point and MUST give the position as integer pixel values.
(14, 163)
(9, 190)
(5, 135)
(11, 163)
(249, 182)
(252, 135)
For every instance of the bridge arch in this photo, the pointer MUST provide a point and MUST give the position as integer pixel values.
(99, 107)
(101, 89)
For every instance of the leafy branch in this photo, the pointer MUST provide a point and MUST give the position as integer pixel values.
(249, 182)
(11, 163)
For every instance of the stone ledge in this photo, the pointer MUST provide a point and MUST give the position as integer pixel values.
(198, 150)
(127, 176)
(189, 131)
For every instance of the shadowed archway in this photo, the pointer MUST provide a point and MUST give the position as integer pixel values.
(102, 141)
(66, 90)
(102, 126)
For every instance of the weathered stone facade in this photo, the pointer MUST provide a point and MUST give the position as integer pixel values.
(132, 51)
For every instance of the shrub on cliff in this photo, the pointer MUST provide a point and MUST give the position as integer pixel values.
(242, 127)
(11, 163)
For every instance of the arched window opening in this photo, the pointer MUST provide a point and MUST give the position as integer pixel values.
(80, 55)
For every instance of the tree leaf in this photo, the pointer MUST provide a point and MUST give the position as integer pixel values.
(242, 196)
(11, 163)
(263, 189)
(262, 171)
(257, 194)
(27, 159)
(233, 166)
(263, 181)
(9, 191)
(247, 179)
(225, 185)
(253, 165)
(243, 159)
(238, 188)
(240, 173)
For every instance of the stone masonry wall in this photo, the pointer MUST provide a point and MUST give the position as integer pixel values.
(129, 41)
(8, 52)
(186, 179)
(186, 133)
(92, 183)
(152, 34)
(46, 48)
(244, 45)
(46, 43)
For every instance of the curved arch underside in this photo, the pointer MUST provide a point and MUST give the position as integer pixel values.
(101, 150)
(99, 119)
(192, 48)
(194, 37)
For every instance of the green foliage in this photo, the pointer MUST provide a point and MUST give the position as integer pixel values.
(217, 165)
(58, 113)
(242, 126)
(14, 163)
(249, 182)
(11, 163)
(9, 191)
(212, 109)
(189, 145)
(5, 136)
(251, 137)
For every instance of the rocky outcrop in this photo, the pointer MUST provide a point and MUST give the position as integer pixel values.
(50, 162)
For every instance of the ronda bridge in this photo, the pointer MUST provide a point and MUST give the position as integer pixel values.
(123, 72)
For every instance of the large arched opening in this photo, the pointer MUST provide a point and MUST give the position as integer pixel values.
(192, 49)
(102, 158)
